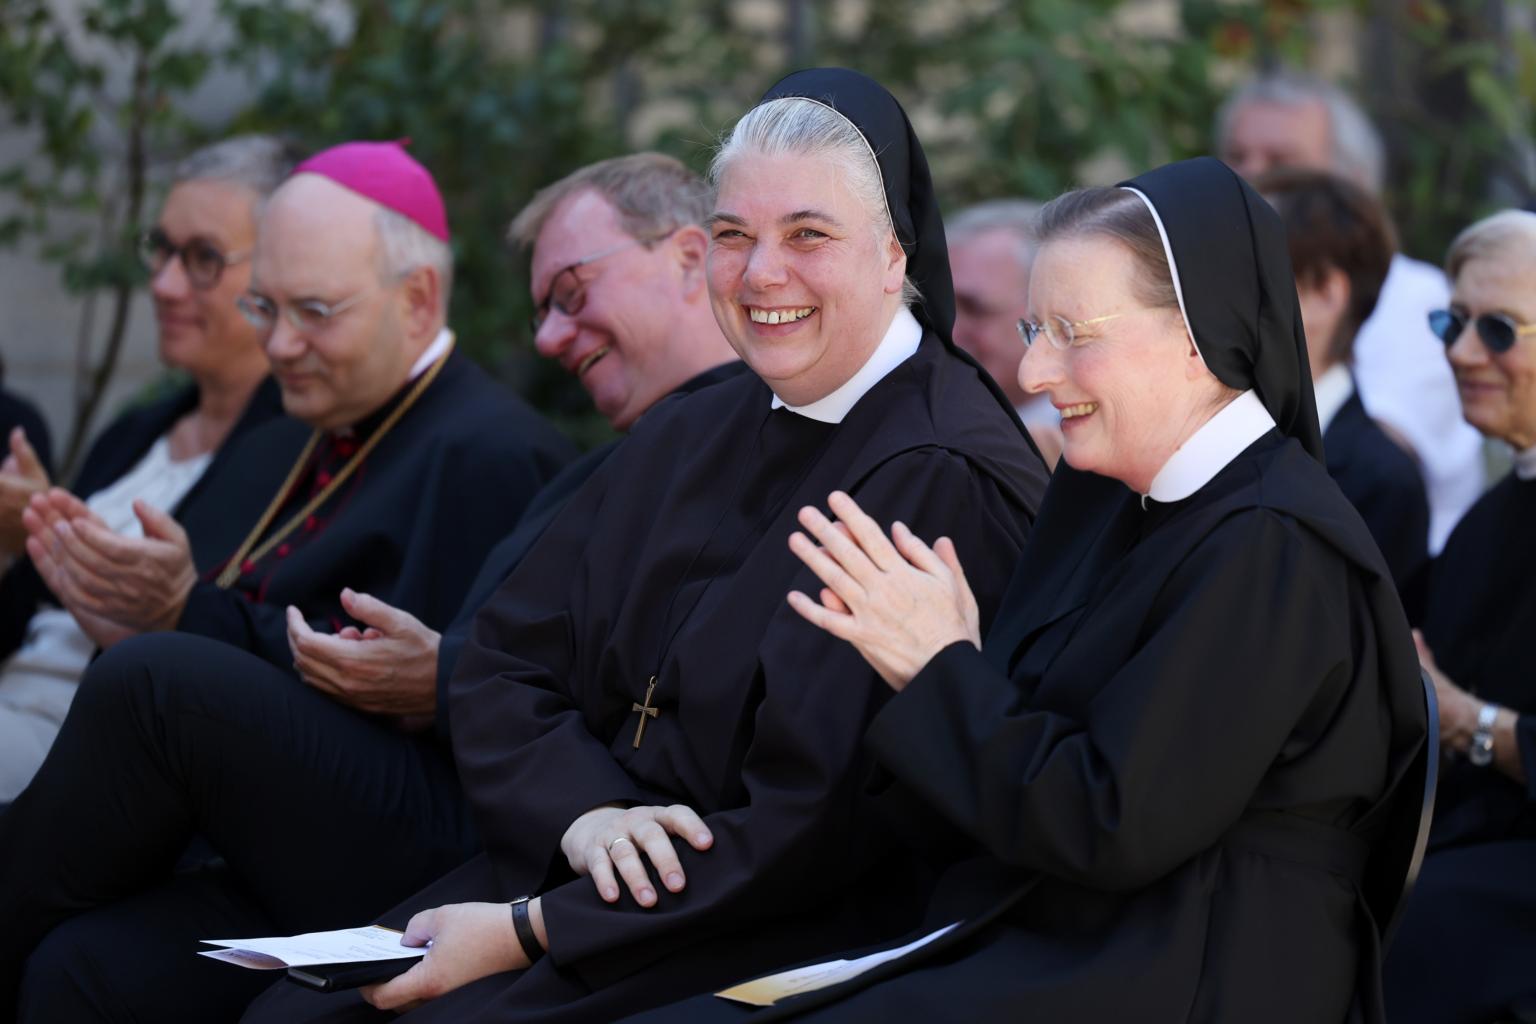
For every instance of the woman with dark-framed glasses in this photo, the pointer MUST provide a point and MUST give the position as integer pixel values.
(1468, 943)
(163, 455)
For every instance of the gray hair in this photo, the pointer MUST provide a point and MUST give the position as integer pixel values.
(1494, 235)
(804, 127)
(1019, 217)
(405, 246)
(652, 194)
(259, 162)
(1358, 153)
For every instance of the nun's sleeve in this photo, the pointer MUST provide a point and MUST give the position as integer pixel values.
(1243, 636)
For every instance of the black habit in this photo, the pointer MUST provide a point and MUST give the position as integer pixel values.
(1162, 780)
(213, 527)
(176, 734)
(1466, 948)
(673, 563)
(1384, 484)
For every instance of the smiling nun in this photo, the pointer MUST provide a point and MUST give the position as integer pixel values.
(1178, 762)
(642, 656)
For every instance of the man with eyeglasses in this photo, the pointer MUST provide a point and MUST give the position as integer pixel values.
(409, 465)
(161, 466)
(616, 273)
(636, 306)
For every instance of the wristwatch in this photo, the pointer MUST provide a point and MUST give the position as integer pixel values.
(526, 936)
(1480, 752)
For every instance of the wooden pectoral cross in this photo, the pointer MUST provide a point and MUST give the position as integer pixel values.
(646, 712)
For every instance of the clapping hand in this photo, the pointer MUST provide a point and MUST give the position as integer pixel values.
(114, 585)
(21, 476)
(899, 603)
(389, 667)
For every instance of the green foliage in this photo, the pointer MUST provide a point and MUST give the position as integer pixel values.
(499, 97)
(73, 197)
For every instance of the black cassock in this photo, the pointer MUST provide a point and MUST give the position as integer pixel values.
(1155, 764)
(88, 847)
(1467, 947)
(1383, 483)
(410, 526)
(673, 562)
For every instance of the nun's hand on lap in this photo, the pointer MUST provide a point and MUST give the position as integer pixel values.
(898, 601)
(607, 844)
(469, 941)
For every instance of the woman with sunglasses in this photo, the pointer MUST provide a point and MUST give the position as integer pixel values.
(1468, 944)
(160, 457)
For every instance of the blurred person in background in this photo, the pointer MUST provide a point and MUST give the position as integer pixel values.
(991, 249)
(1341, 245)
(1292, 120)
(1466, 947)
(158, 461)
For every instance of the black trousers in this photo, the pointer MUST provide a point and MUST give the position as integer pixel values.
(1466, 948)
(323, 818)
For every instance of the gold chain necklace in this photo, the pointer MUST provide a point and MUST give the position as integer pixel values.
(243, 553)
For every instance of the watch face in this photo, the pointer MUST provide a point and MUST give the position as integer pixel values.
(1481, 752)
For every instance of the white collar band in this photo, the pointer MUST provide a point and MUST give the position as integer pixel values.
(1210, 449)
(1525, 463)
(899, 344)
(439, 345)
(1332, 390)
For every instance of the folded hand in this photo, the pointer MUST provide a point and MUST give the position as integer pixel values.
(609, 838)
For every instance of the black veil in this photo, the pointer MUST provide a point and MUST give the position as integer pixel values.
(909, 196)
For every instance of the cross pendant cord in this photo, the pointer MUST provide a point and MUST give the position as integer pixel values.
(646, 711)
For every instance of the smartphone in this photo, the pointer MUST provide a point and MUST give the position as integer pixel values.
(338, 977)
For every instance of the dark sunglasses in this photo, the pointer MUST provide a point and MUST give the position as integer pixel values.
(1498, 331)
(201, 260)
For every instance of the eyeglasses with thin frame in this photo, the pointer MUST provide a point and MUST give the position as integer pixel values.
(308, 316)
(568, 292)
(1498, 332)
(201, 260)
(1058, 330)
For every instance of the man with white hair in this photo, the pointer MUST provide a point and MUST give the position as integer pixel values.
(991, 250)
(1292, 120)
(416, 464)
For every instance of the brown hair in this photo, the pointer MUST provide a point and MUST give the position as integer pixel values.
(653, 194)
(1120, 215)
(1333, 224)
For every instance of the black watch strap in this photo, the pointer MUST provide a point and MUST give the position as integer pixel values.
(524, 929)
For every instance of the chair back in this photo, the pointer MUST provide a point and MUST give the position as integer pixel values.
(1399, 853)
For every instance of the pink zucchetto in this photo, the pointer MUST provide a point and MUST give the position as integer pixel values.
(386, 174)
